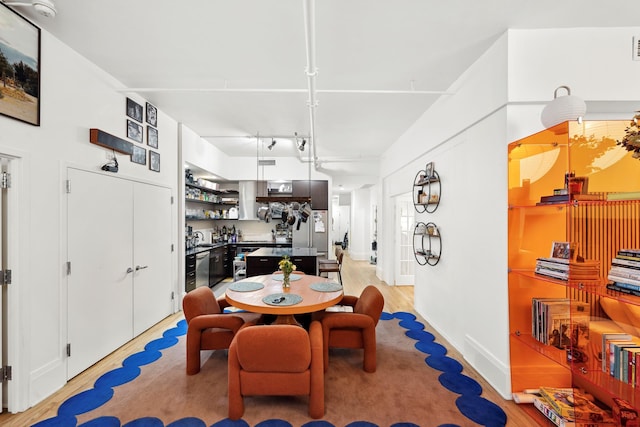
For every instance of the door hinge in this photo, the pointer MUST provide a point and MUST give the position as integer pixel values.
(68, 268)
(172, 249)
(68, 186)
(69, 350)
(5, 180)
(6, 374)
(173, 295)
(171, 199)
(5, 277)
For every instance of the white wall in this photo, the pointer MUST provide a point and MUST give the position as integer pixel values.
(360, 230)
(498, 100)
(75, 97)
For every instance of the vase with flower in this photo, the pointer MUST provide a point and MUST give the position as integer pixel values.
(287, 267)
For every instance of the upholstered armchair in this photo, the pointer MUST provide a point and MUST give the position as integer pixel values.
(208, 328)
(276, 360)
(354, 330)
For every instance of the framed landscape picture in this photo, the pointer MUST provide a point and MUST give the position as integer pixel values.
(139, 155)
(152, 137)
(154, 161)
(152, 115)
(134, 110)
(134, 131)
(19, 67)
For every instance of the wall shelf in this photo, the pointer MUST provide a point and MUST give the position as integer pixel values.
(427, 243)
(426, 190)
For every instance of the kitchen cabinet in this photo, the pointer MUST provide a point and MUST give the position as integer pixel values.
(317, 190)
(218, 265)
(190, 273)
(265, 260)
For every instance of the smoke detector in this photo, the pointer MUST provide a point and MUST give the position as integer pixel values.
(45, 8)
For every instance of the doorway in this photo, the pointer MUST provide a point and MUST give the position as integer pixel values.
(404, 267)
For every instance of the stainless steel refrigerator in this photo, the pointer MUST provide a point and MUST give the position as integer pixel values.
(313, 234)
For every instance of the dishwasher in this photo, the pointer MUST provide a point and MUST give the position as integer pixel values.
(202, 269)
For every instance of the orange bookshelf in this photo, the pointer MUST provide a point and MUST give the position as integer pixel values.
(559, 182)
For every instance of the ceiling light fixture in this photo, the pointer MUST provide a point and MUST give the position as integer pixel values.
(270, 146)
(563, 108)
(43, 7)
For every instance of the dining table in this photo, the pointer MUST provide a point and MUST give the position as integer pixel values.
(265, 294)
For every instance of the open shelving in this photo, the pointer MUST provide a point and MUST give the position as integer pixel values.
(544, 208)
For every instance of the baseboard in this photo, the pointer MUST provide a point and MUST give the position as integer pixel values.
(492, 370)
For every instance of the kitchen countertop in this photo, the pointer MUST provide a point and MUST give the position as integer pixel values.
(208, 246)
(280, 252)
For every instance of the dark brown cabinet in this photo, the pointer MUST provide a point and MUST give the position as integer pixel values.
(190, 273)
(317, 190)
(265, 260)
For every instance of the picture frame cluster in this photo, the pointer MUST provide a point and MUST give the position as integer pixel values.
(138, 117)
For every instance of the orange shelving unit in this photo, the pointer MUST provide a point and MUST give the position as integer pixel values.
(585, 159)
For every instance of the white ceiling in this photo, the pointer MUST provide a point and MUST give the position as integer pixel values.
(234, 69)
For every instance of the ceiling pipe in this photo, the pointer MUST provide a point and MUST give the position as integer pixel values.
(311, 71)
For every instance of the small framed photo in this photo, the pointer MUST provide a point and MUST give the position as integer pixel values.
(138, 155)
(134, 110)
(154, 161)
(563, 250)
(134, 131)
(152, 115)
(429, 169)
(578, 184)
(152, 137)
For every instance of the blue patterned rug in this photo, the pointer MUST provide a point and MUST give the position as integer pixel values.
(470, 404)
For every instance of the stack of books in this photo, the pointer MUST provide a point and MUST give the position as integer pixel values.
(567, 407)
(564, 269)
(625, 272)
(560, 322)
(621, 356)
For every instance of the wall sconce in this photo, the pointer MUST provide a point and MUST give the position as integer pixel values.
(301, 144)
(270, 146)
(563, 108)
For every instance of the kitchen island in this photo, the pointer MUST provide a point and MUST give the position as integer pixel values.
(265, 260)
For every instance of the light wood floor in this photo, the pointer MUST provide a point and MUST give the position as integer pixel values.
(355, 275)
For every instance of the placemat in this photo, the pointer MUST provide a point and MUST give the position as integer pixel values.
(245, 286)
(292, 277)
(326, 286)
(282, 299)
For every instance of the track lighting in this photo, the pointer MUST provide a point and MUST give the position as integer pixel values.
(270, 146)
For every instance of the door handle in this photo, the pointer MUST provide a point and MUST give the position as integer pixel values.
(141, 267)
(129, 270)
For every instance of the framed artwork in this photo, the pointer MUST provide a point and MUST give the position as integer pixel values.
(20, 63)
(134, 130)
(152, 115)
(139, 155)
(152, 137)
(154, 161)
(564, 250)
(134, 110)
(429, 170)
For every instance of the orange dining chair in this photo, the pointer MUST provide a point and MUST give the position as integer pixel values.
(354, 330)
(208, 328)
(276, 360)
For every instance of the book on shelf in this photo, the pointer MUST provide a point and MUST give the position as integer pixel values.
(624, 273)
(625, 262)
(623, 287)
(574, 405)
(547, 410)
(560, 322)
(627, 195)
(604, 354)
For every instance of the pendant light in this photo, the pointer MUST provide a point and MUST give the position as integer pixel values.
(563, 108)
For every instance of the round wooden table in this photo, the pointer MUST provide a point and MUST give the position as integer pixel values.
(312, 300)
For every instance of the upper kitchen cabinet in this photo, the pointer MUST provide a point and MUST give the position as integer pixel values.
(317, 190)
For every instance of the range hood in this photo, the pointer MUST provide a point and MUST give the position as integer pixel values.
(247, 200)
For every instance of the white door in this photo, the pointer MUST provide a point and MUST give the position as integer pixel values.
(151, 255)
(100, 298)
(405, 218)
